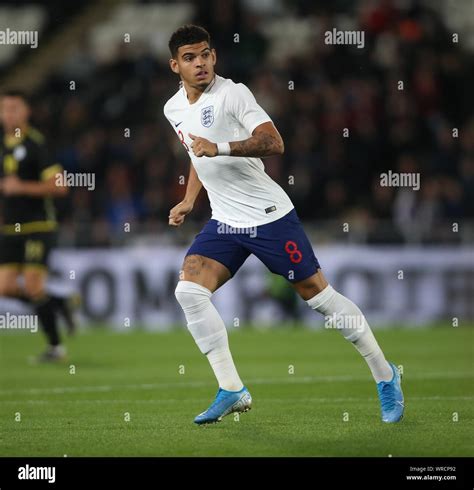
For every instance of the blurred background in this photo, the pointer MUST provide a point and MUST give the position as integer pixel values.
(100, 77)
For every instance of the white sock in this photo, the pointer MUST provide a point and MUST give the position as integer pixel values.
(341, 313)
(209, 332)
(224, 368)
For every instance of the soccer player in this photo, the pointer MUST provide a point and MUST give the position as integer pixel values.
(28, 184)
(226, 133)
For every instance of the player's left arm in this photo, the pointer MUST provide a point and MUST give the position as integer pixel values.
(264, 142)
(241, 107)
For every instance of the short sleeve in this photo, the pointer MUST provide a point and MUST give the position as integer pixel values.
(165, 112)
(241, 104)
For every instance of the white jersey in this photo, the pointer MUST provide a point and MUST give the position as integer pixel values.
(240, 192)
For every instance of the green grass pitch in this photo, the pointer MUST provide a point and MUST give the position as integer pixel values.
(312, 395)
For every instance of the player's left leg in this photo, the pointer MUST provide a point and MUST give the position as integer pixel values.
(285, 249)
(341, 313)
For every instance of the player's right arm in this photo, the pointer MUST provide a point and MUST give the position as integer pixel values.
(179, 212)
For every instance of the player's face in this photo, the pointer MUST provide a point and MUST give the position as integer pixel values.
(14, 112)
(195, 64)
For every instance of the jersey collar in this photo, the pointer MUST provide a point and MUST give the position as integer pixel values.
(203, 95)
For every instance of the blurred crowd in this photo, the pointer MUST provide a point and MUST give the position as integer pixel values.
(112, 124)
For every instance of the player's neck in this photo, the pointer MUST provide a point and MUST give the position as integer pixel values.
(194, 93)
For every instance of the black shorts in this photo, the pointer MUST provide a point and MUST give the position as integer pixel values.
(29, 249)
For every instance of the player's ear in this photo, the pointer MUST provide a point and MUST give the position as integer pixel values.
(214, 56)
(174, 66)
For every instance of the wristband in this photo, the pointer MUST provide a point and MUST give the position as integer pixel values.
(223, 148)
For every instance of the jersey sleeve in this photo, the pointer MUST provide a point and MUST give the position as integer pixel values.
(165, 112)
(241, 104)
(47, 167)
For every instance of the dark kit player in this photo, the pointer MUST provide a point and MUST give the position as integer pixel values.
(27, 187)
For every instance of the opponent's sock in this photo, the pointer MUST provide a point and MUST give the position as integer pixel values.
(45, 310)
(341, 313)
(64, 306)
(209, 332)
(45, 307)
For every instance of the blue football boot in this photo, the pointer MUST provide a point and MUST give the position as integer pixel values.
(226, 402)
(391, 397)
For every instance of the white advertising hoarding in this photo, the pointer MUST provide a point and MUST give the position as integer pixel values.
(133, 287)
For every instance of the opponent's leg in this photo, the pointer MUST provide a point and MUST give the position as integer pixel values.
(201, 277)
(346, 316)
(35, 282)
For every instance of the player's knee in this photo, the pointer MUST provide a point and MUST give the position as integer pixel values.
(192, 265)
(192, 297)
(34, 289)
(8, 284)
(6, 289)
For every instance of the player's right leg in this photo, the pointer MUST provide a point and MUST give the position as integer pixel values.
(201, 276)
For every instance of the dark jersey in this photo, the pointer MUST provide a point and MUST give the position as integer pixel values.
(27, 157)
